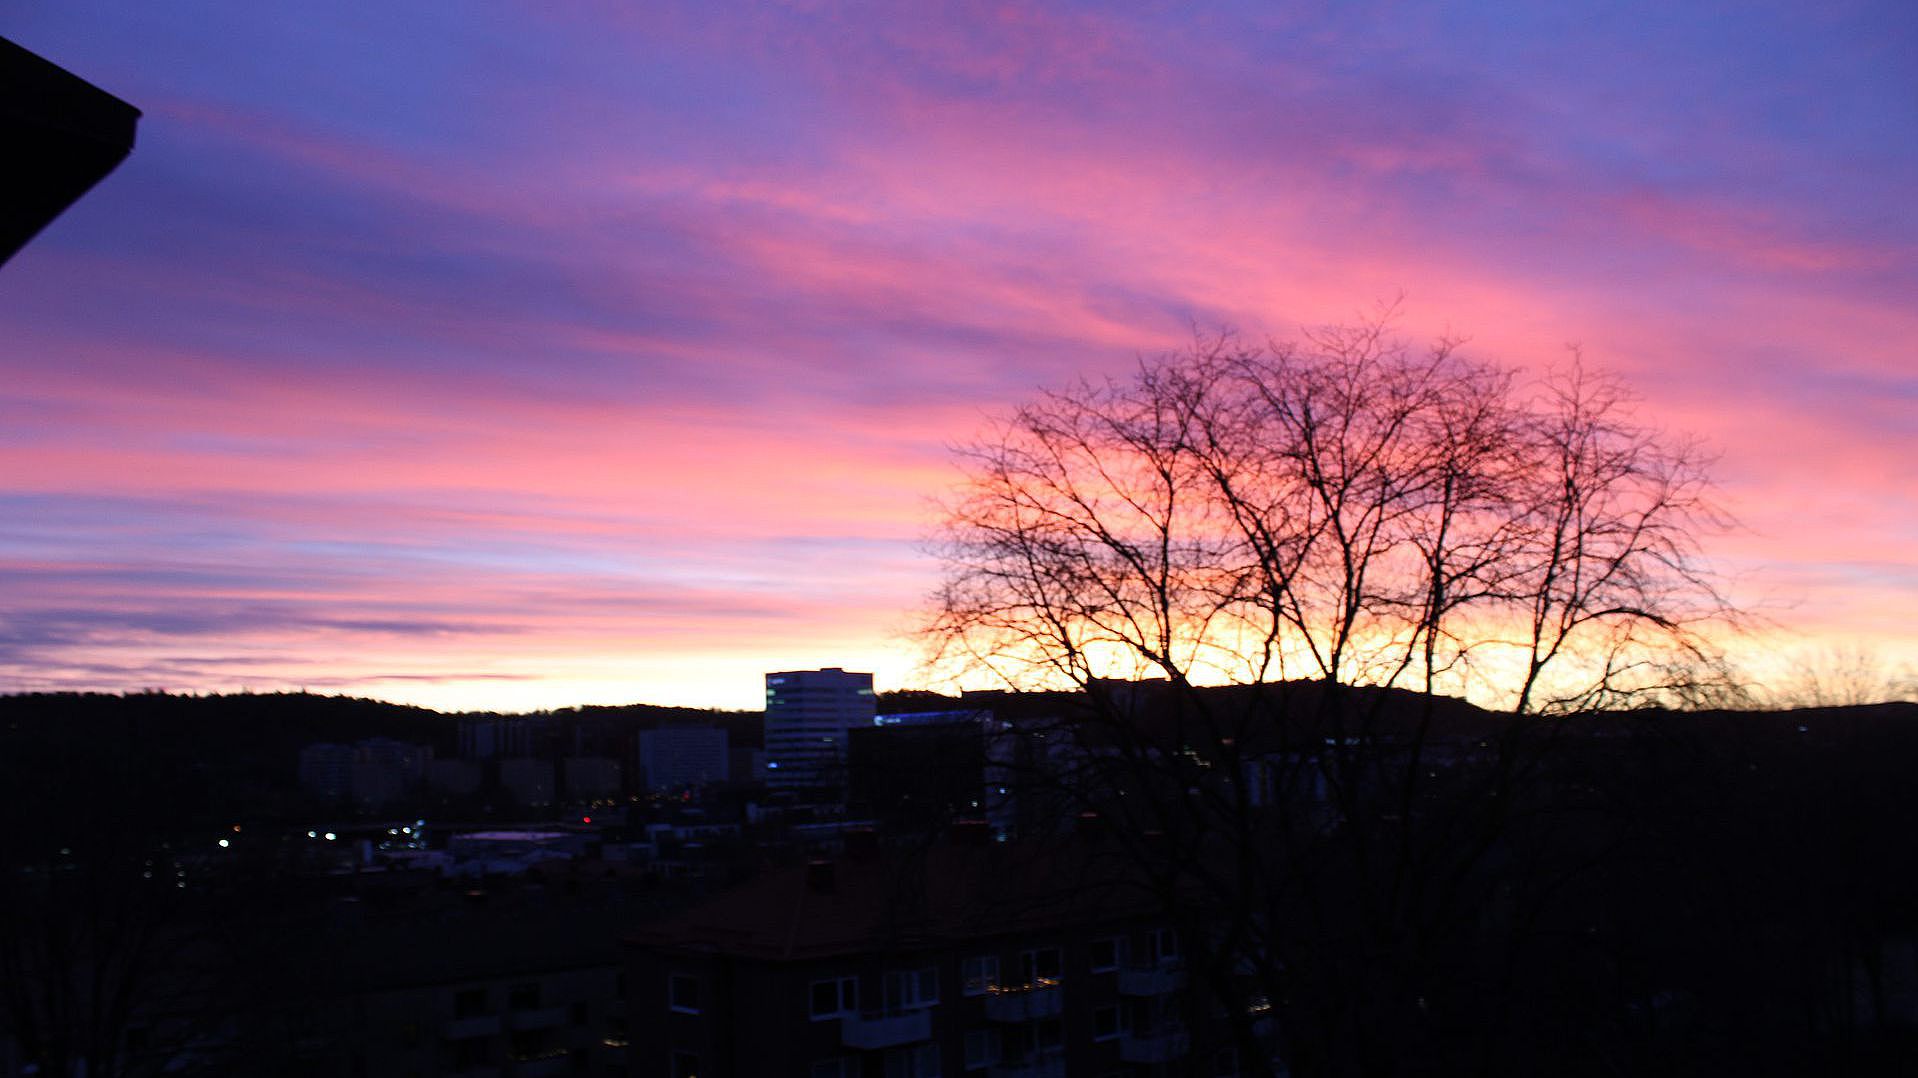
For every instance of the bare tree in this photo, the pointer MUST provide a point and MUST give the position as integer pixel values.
(1609, 573)
(1842, 676)
(1317, 523)
(1342, 508)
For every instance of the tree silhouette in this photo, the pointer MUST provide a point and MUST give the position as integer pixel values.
(1324, 524)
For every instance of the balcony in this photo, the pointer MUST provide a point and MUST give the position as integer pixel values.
(479, 1025)
(1160, 1046)
(1052, 1065)
(1151, 980)
(1025, 1002)
(888, 1030)
(543, 1018)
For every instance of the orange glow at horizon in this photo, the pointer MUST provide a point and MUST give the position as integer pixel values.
(557, 359)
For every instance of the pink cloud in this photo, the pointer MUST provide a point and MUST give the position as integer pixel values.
(658, 361)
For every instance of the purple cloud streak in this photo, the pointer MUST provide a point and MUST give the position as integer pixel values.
(498, 355)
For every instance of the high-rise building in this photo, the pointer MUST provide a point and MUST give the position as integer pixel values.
(808, 714)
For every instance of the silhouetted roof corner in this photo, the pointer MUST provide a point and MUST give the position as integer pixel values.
(63, 134)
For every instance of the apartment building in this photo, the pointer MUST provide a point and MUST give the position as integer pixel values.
(971, 958)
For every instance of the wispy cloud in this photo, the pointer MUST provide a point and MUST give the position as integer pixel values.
(490, 353)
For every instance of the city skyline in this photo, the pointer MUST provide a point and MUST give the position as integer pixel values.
(502, 358)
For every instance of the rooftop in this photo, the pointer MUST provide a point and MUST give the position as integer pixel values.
(909, 900)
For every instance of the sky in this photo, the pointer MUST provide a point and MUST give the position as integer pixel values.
(521, 355)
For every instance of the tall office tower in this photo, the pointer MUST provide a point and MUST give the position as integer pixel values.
(808, 713)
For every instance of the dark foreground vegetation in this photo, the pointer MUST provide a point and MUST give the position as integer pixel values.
(1646, 892)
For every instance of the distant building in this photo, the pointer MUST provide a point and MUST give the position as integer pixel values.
(370, 773)
(746, 764)
(590, 778)
(490, 737)
(1023, 758)
(385, 770)
(683, 757)
(808, 715)
(932, 718)
(528, 782)
(918, 775)
(326, 770)
(510, 853)
(456, 777)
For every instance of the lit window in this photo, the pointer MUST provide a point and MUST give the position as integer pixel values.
(1040, 965)
(979, 975)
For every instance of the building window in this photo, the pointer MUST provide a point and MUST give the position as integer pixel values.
(472, 1052)
(527, 1045)
(1102, 955)
(837, 1067)
(683, 994)
(835, 998)
(469, 1003)
(1039, 966)
(523, 997)
(685, 1065)
(1105, 1023)
(911, 990)
(919, 1061)
(982, 1048)
(979, 975)
(1164, 946)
